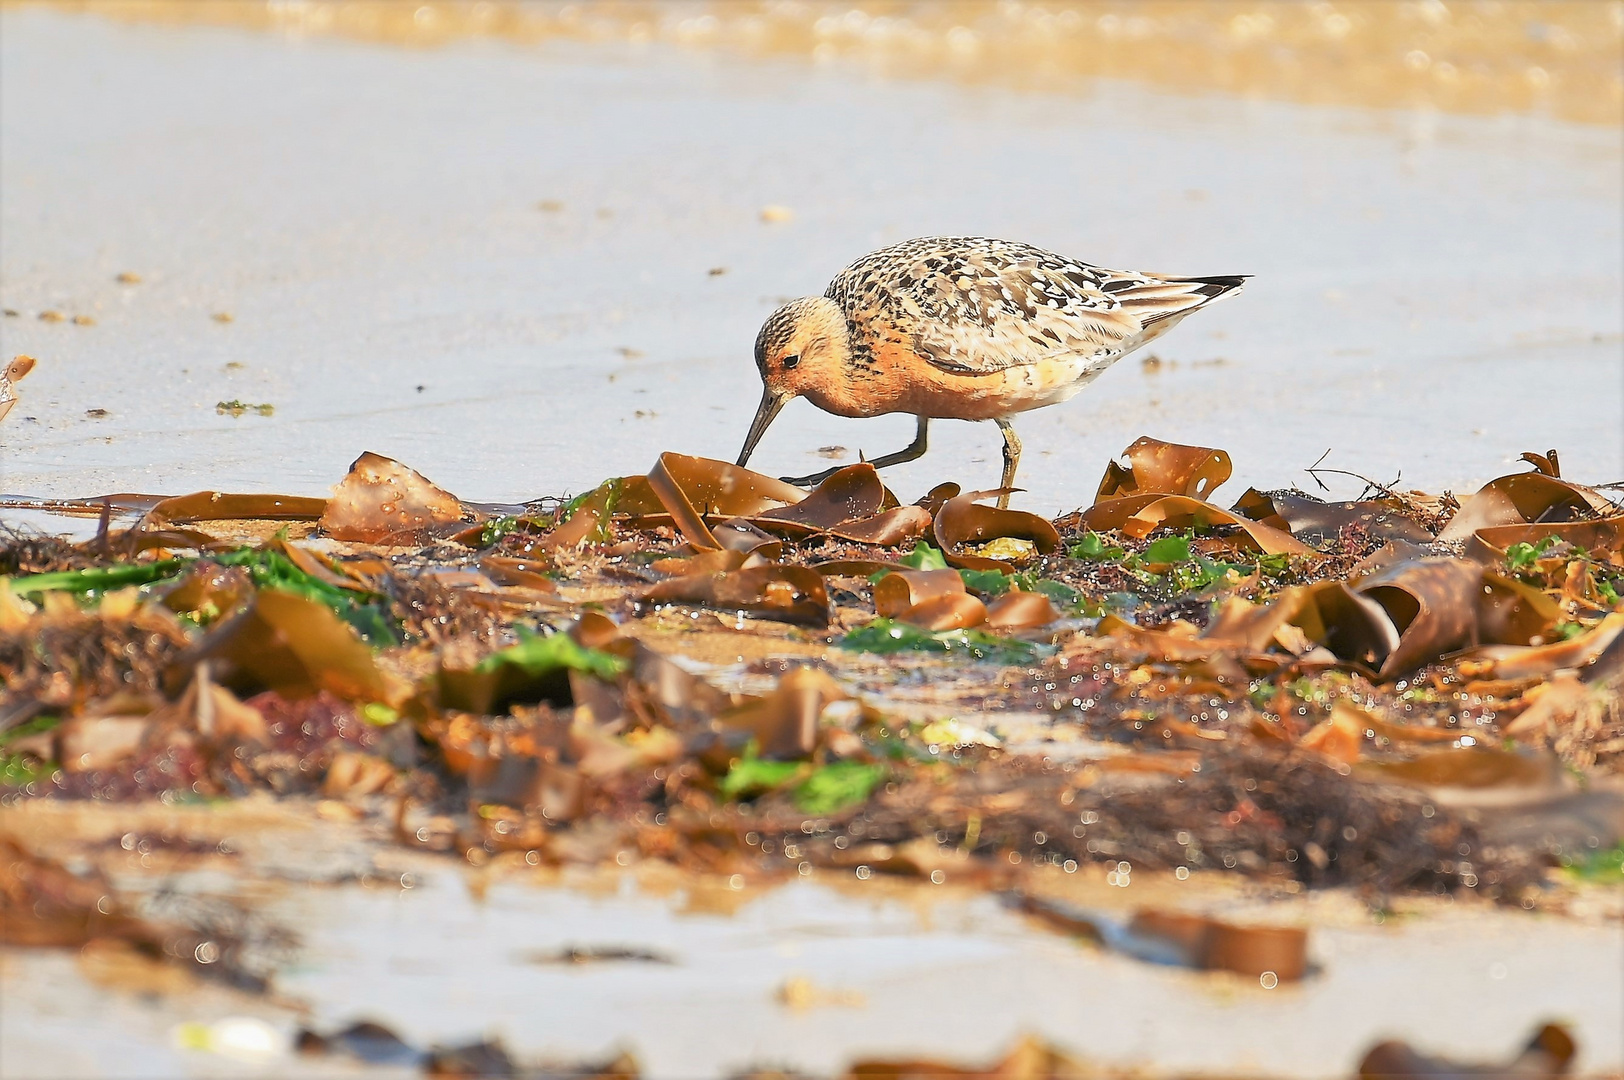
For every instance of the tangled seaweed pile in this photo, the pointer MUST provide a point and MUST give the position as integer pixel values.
(711, 667)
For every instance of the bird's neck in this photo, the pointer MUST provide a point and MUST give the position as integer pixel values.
(842, 400)
(860, 389)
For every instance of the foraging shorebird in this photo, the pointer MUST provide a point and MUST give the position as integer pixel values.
(965, 328)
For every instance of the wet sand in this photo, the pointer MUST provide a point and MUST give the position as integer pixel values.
(904, 969)
(1434, 293)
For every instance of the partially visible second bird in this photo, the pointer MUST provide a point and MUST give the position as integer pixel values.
(966, 328)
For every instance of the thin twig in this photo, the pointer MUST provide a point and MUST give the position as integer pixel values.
(1370, 485)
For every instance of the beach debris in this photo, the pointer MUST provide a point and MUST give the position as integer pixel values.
(1307, 693)
(792, 594)
(1030, 1059)
(374, 1043)
(962, 522)
(238, 408)
(43, 904)
(1547, 1054)
(381, 501)
(594, 954)
(535, 669)
(1270, 954)
(364, 1040)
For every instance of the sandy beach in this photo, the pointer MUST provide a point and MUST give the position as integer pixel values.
(522, 267)
(1432, 293)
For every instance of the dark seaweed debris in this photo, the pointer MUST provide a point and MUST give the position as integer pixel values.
(1251, 683)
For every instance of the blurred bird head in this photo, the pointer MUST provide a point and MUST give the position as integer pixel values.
(803, 347)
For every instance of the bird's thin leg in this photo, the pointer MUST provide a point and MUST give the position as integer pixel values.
(1012, 458)
(912, 451)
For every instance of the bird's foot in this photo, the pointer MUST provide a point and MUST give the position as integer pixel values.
(813, 480)
(818, 478)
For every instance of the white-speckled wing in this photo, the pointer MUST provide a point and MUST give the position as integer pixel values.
(972, 305)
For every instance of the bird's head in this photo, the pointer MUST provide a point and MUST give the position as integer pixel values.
(802, 347)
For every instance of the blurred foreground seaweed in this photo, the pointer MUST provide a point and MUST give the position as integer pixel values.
(1548, 1054)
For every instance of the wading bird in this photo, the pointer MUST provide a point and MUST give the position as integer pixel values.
(965, 328)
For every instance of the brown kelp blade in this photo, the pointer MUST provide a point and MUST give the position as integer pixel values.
(896, 592)
(1195, 941)
(898, 525)
(1308, 518)
(963, 520)
(225, 506)
(317, 565)
(1354, 628)
(1165, 468)
(849, 494)
(793, 594)
(297, 648)
(1473, 767)
(1512, 612)
(180, 509)
(785, 722)
(1030, 1059)
(1142, 514)
(851, 504)
(523, 573)
(1433, 606)
(1488, 545)
(1403, 617)
(1021, 611)
(738, 534)
(946, 611)
(1521, 662)
(382, 501)
(587, 522)
(1546, 1057)
(933, 500)
(937, 600)
(1214, 945)
(692, 488)
(1521, 498)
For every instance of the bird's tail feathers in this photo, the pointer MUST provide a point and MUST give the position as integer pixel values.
(1153, 299)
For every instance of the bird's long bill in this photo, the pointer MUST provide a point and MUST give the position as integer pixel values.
(769, 408)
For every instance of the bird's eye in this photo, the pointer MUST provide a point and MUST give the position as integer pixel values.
(791, 361)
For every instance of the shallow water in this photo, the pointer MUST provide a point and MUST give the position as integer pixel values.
(1433, 293)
